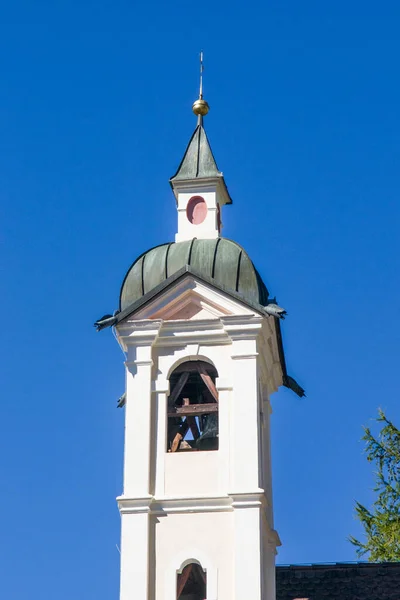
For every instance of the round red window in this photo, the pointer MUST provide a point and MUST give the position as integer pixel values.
(196, 210)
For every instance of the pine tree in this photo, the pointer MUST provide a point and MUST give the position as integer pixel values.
(382, 522)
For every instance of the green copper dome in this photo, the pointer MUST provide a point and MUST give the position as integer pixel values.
(219, 260)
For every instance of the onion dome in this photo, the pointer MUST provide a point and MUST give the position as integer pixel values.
(220, 261)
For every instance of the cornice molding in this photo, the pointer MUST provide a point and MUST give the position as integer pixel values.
(191, 504)
(248, 499)
(128, 505)
(138, 363)
(138, 333)
(244, 356)
(206, 184)
(242, 327)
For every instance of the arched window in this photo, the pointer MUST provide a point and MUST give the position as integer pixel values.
(191, 583)
(193, 408)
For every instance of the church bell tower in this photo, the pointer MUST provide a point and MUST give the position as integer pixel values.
(204, 353)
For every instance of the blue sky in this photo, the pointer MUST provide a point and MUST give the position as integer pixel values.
(95, 108)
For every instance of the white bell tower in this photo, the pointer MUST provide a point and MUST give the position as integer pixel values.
(202, 359)
(198, 513)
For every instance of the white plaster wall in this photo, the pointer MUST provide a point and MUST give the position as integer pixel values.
(204, 537)
(268, 569)
(168, 358)
(208, 229)
(188, 473)
(247, 550)
(134, 579)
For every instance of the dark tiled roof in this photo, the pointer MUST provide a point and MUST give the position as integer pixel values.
(339, 581)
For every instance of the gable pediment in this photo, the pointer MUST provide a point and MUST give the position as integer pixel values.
(189, 300)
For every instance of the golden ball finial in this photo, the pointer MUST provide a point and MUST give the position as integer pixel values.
(200, 107)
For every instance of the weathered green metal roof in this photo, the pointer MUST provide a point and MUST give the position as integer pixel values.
(172, 279)
(198, 161)
(220, 260)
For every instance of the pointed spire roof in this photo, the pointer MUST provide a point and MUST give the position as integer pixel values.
(198, 161)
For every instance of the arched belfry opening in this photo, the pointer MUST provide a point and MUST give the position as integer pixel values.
(193, 408)
(191, 583)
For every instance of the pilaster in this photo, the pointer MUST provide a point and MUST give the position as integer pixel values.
(224, 411)
(247, 551)
(161, 396)
(138, 338)
(244, 422)
(135, 554)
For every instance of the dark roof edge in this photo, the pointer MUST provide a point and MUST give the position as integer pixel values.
(338, 565)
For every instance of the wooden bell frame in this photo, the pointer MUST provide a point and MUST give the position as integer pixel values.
(192, 395)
